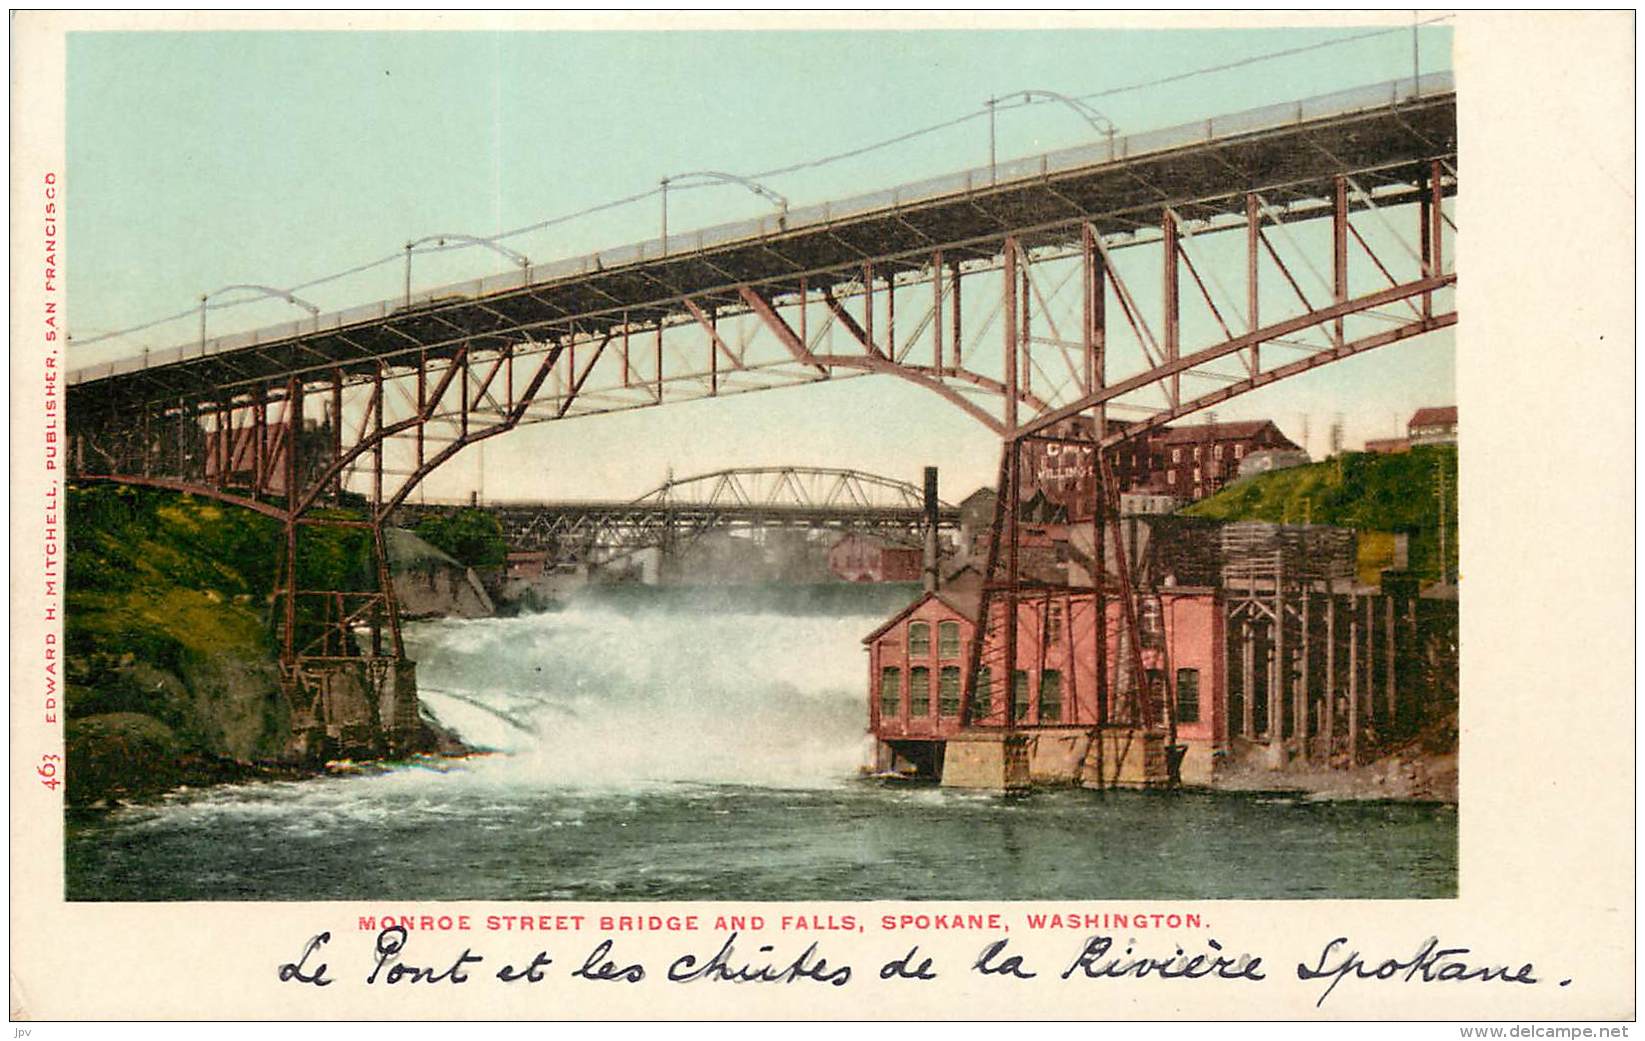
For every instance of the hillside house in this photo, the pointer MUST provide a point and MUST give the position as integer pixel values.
(1433, 426)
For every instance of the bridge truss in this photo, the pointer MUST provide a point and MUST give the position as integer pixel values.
(678, 512)
(1132, 282)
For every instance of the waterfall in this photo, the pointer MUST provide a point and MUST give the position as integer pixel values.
(714, 686)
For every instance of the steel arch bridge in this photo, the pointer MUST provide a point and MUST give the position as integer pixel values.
(681, 510)
(1132, 281)
(803, 487)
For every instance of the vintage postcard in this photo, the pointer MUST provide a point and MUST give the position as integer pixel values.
(1000, 516)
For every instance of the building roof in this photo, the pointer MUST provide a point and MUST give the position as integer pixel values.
(1434, 416)
(963, 595)
(1216, 431)
(872, 541)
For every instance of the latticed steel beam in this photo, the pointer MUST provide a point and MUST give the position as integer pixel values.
(406, 392)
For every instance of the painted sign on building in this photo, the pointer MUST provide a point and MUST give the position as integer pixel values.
(1059, 474)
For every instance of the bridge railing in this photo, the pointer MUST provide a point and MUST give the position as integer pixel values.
(1338, 103)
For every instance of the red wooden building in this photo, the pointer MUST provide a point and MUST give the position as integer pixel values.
(917, 662)
(865, 558)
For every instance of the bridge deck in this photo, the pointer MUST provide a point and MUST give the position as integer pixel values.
(1381, 135)
(773, 513)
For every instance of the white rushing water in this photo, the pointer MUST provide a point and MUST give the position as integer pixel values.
(671, 745)
(688, 690)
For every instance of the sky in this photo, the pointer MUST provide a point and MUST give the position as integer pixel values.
(200, 160)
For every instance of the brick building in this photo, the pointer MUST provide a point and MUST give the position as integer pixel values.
(867, 558)
(1191, 462)
(918, 657)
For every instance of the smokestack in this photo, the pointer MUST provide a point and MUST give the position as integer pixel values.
(930, 529)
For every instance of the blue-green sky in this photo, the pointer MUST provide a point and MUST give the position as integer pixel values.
(196, 160)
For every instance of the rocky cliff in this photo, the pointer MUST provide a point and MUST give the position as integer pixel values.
(429, 583)
(172, 675)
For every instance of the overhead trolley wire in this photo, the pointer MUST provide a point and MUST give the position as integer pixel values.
(781, 170)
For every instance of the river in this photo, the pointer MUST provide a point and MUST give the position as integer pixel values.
(697, 745)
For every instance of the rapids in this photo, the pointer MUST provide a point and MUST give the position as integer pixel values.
(702, 745)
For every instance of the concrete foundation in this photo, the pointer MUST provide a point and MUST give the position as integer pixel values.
(1049, 757)
(1202, 762)
(997, 762)
(1126, 758)
(359, 708)
(1057, 757)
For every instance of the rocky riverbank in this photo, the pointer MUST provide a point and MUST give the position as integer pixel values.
(1423, 769)
(170, 669)
(1395, 777)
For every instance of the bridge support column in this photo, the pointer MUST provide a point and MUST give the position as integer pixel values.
(351, 691)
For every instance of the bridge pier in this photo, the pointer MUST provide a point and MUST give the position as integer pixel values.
(355, 708)
(352, 691)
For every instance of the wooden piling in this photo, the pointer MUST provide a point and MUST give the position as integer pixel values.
(1388, 664)
(1248, 666)
(1370, 660)
(1279, 672)
(1330, 726)
(1353, 680)
(1303, 694)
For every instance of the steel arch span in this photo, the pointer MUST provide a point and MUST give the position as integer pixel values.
(682, 510)
(1131, 281)
(804, 487)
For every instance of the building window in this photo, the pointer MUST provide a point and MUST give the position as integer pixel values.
(1217, 452)
(1239, 451)
(948, 639)
(1053, 623)
(982, 694)
(1187, 695)
(948, 691)
(1170, 477)
(919, 691)
(1196, 451)
(1050, 696)
(919, 639)
(1176, 455)
(1019, 694)
(890, 691)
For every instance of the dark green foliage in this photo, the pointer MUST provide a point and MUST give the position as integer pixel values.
(472, 537)
(156, 577)
(169, 631)
(160, 581)
(121, 753)
(123, 538)
(1370, 493)
(335, 558)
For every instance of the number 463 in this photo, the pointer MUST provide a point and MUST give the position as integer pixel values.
(48, 770)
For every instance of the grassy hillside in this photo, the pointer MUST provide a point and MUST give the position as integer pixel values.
(170, 657)
(1378, 495)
